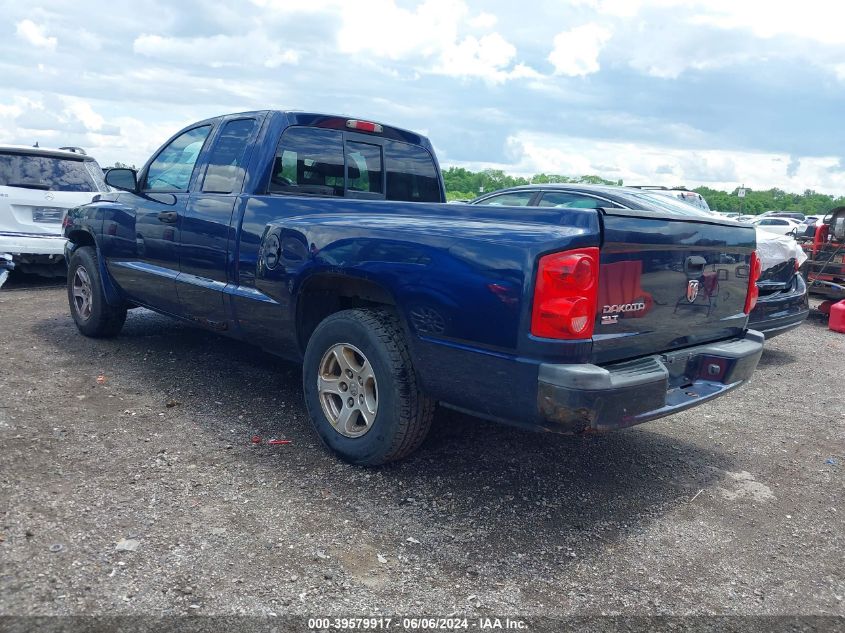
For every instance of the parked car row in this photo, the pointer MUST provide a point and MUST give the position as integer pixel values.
(265, 226)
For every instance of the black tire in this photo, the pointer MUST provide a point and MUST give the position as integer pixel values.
(100, 319)
(403, 414)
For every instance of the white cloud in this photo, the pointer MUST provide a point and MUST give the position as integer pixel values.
(93, 121)
(388, 31)
(87, 40)
(403, 62)
(429, 37)
(576, 52)
(819, 20)
(34, 34)
(483, 21)
(487, 57)
(639, 163)
(618, 8)
(64, 115)
(217, 51)
(665, 38)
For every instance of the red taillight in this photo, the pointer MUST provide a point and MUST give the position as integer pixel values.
(66, 221)
(565, 295)
(754, 270)
(364, 126)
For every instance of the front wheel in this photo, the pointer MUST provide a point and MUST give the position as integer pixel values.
(361, 390)
(93, 315)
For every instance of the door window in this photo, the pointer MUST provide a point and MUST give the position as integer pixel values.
(308, 161)
(172, 168)
(226, 163)
(514, 199)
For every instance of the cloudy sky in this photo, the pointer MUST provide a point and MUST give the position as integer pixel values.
(716, 92)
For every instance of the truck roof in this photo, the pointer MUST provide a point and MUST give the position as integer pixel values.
(334, 121)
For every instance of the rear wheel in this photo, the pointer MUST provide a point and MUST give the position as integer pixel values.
(93, 315)
(361, 389)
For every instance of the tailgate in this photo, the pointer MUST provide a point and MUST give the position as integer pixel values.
(668, 282)
(35, 212)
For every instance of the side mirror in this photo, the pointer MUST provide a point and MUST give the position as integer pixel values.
(122, 178)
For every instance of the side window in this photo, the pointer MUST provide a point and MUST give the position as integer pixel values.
(226, 162)
(308, 161)
(172, 168)
(571, 200)
(515, 199)
(411, 173)
(364, 167)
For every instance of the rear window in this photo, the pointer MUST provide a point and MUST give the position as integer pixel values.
(364, 167)
(49, 173)
(311, 161)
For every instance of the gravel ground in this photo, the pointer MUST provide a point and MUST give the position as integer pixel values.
(129, 484)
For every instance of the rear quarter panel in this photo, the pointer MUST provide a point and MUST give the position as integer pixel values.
(460, 277)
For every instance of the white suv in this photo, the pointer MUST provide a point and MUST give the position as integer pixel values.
(37, 187)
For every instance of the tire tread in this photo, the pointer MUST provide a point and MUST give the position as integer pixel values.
(107, 320)
(416, 410)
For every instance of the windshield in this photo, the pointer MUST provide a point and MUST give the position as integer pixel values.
(664, 203)
(49, 173)
(690, 197)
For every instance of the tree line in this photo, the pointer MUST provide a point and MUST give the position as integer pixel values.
(463, 184)
(755, 202)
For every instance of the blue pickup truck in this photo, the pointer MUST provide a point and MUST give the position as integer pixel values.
(327, 240)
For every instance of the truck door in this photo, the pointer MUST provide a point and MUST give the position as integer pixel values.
(207, 236)
(147, 272)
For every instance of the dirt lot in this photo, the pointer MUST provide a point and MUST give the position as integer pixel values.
(734, 507)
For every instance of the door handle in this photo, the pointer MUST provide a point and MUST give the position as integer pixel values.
(168, 216)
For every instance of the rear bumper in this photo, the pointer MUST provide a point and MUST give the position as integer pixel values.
(781, 311)
(31, 244)
(583, 398)
(772, 327)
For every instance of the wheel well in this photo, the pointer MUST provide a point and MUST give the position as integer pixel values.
(81, 238)
(327, 294)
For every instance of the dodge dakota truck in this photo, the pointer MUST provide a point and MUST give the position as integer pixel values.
(327, 240)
